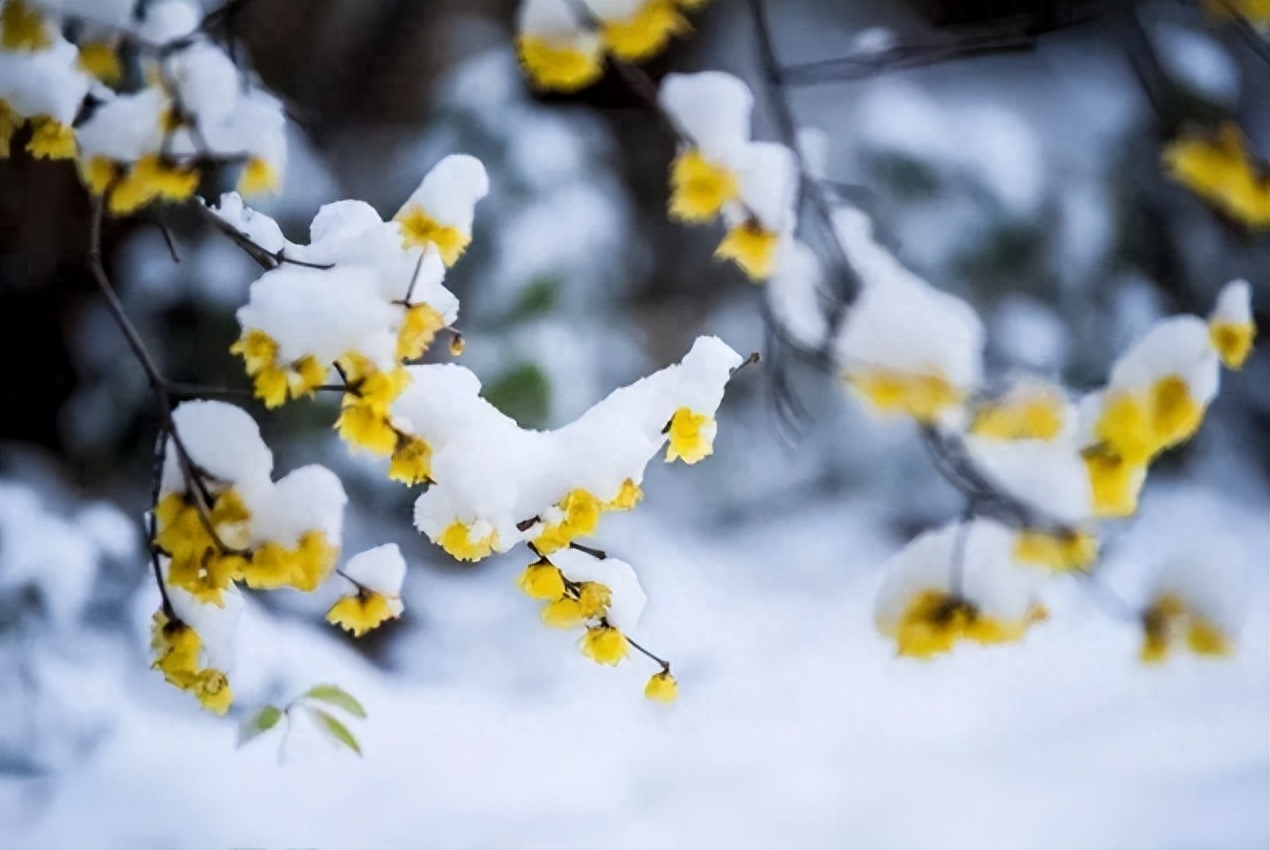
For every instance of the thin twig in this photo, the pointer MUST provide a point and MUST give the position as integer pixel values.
(665, 665)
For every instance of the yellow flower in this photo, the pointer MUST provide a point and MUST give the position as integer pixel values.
(691, 436)
(541, 580)
(1061, 552)
(458, 541)
(1124, 428)
(257, 349)
(559, 65)
(213, 691)
(314, 559)
(10, 121)
(1221, 171)
(411, 461)
(644, 33)
(271, 386)
(1115, 482)
(935, 621)
(604, 645)
(22, 28)
(564, 613)
(362, 612)
(1176, 415)
(362, 426)
(258, 177)
(98, 173)
(699, 188)
(303, 567)
(750, 247)
(417, 331)
(177, 648)
(1256, 12)
(581, 516)
(628, 496)
(151, 179)
(305, 376)
(1168, 622)
(593, 599)
(1028, 418)
(419, 230)
(921, 396)
(1233, 341)
(51, 139)
(662, 687)
(100, 59)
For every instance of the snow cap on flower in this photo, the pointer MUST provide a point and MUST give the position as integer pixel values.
(168, 21)
(381, 569)
(626, 595)
(557, 51)
(1050, 477)
(1230, 325)
(374, 578)
(1197, 597)
(712, 109)
(919, 606)
(497, 484)
(905, 346)
(222, 440)
(440, 211)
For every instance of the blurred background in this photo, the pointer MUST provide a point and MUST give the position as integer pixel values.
(1008, 150)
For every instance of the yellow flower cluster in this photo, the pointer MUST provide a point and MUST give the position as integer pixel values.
(1220, 169)
(209, 547)
(581, 511)
(1168, 623)
(130, 187)
(936, 620)
(572, 604)
(177, 648)
(49, 139)
(569, 54)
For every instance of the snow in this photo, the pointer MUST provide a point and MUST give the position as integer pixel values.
(796, 725)
(768, 176)
(712, 109)
(223, 440)
(793, 294)
(1048, 475)
(1178, 345)
(628, 598)
(381, 569)
(1234, 304)
(450, 190)
(900, 322)
(45, 82)
(490, 471)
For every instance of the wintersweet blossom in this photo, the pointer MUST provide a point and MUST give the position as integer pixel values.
(440, 211)
(662, 687)
(1195, 599)
(41, 82)
(558, 51)
(635, 30)
(957, 583)
(1230, 326)
(905, 346)
(374, 580)
(1221, 170)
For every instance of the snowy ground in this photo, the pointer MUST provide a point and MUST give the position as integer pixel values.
(796, 726)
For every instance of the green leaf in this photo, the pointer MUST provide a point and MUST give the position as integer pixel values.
(258, 724)
(524, 394)
(338, 697)
(337, 730)
(539, 297)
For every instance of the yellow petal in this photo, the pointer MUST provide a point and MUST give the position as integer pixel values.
(691, 436)
(699, 188)
(541, 580)
(362, 613)
(750, 247)
(411, 461)
(1233, 342)
(563, 613)
(458, 541)
(921, 396)
(559, 65)
(644, 33)
(1063, 552)
(604, 645)
(51, 139)
(662, 687)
